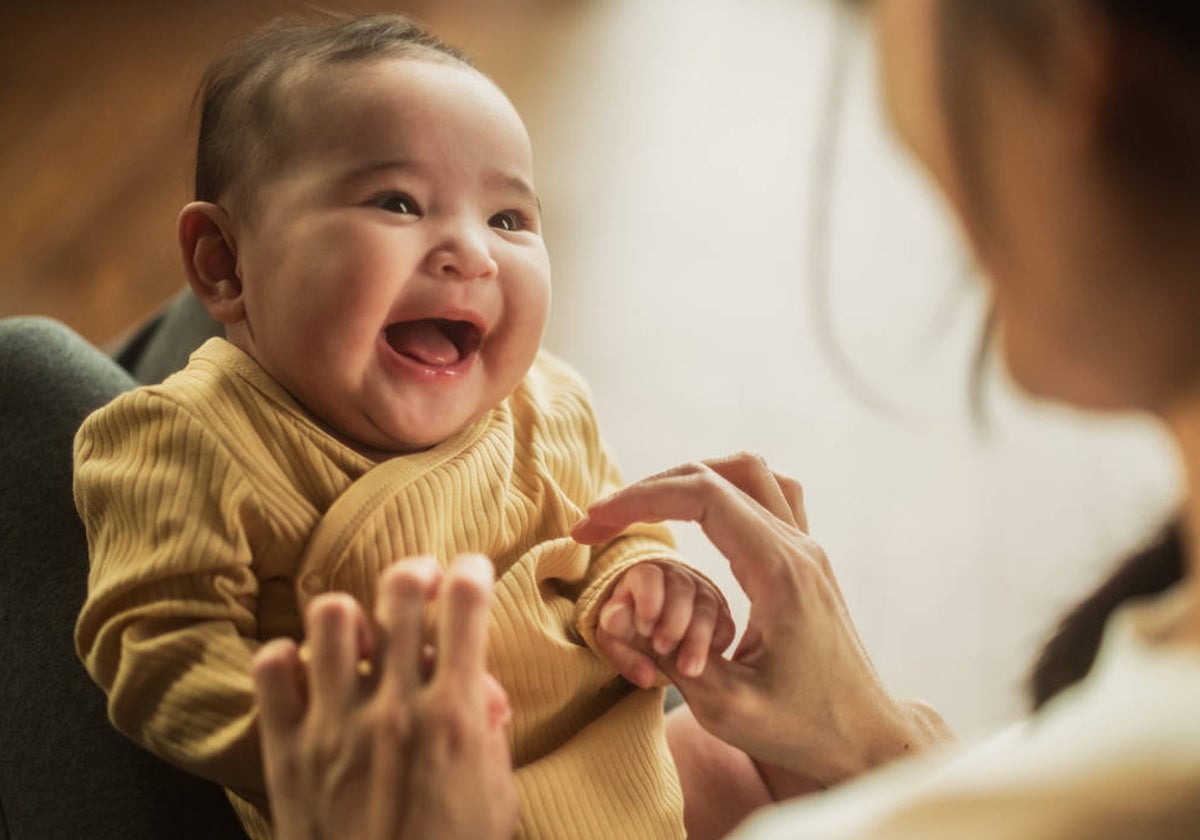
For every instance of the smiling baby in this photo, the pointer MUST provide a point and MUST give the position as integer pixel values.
(367, 230)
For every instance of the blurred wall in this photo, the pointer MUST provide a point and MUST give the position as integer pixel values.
(729, 274)
(97, 136)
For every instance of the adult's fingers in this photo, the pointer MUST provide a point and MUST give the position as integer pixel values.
(280, 685)
(781, 494)
(466, 594)
(742, 530)
(336, 629)
(750, 474)
(499, 712)
(793, 491)
(279, 681)
(404, 590)
(717, 695)
(499, 785)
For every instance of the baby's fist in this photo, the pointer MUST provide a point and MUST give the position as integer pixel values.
(662, 610)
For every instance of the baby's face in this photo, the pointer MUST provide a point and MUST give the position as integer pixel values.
(394, 274)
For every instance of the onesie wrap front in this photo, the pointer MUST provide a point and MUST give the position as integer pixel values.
(216, 509)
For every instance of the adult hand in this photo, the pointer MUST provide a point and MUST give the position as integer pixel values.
(799, 692)
(360, 740)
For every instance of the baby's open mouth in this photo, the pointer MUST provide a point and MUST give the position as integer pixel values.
(435, 342)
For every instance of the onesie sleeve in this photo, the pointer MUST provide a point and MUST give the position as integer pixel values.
(168, 629)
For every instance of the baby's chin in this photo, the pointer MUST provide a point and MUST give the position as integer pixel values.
(381, 448)
(381, 445)
(373, 442)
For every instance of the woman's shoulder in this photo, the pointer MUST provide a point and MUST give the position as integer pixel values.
(1117, 755)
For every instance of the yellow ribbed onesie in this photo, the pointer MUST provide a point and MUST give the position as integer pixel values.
(216, 508)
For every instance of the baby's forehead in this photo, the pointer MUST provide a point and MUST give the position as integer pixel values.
(300, 104)
(373, 101)
(327, 85)
(340, 115)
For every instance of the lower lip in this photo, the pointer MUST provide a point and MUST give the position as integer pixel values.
(420, 370)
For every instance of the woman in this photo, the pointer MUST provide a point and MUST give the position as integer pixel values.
(1066, 136)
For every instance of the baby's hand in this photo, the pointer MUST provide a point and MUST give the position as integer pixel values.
(673, 610)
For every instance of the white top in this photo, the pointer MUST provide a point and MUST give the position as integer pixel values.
(1117, 756)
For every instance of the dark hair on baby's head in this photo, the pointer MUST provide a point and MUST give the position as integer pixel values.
(242, 124)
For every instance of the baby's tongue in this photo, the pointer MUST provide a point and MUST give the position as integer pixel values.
(423, 341)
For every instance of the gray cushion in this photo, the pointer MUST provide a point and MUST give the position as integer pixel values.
(65, 772)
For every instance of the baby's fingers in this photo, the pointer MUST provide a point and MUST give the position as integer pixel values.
(615, 637)
(692, 656)
(679, 595)
(646, 586)
(726, 630)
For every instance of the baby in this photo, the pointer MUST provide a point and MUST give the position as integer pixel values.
(367, 230)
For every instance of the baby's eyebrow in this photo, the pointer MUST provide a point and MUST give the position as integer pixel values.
(513, 183)
(370, 168)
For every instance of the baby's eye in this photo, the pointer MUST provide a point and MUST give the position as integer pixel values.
(397, 203)
(509, 220)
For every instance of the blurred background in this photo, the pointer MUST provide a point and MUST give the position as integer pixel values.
(742, 259)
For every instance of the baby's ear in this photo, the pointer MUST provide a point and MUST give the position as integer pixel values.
(206, 238)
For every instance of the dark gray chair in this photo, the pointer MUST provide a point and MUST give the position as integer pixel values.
(64, 771)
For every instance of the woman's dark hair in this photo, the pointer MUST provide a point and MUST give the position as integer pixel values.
(1149, 119)
(1070, 653)
(243, 124)
(1149, 145)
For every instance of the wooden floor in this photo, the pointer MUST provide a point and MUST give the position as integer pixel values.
(96, 136)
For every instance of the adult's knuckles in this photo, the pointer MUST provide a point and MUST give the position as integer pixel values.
(391, 720)
(747, 461)
(820, 557)
(447, 719)
(792, 490)
(451, 733)
(324, 749)
(708, 484)
(691, 468)
(790, 485)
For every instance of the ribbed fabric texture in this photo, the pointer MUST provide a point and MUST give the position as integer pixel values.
(216, 509)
